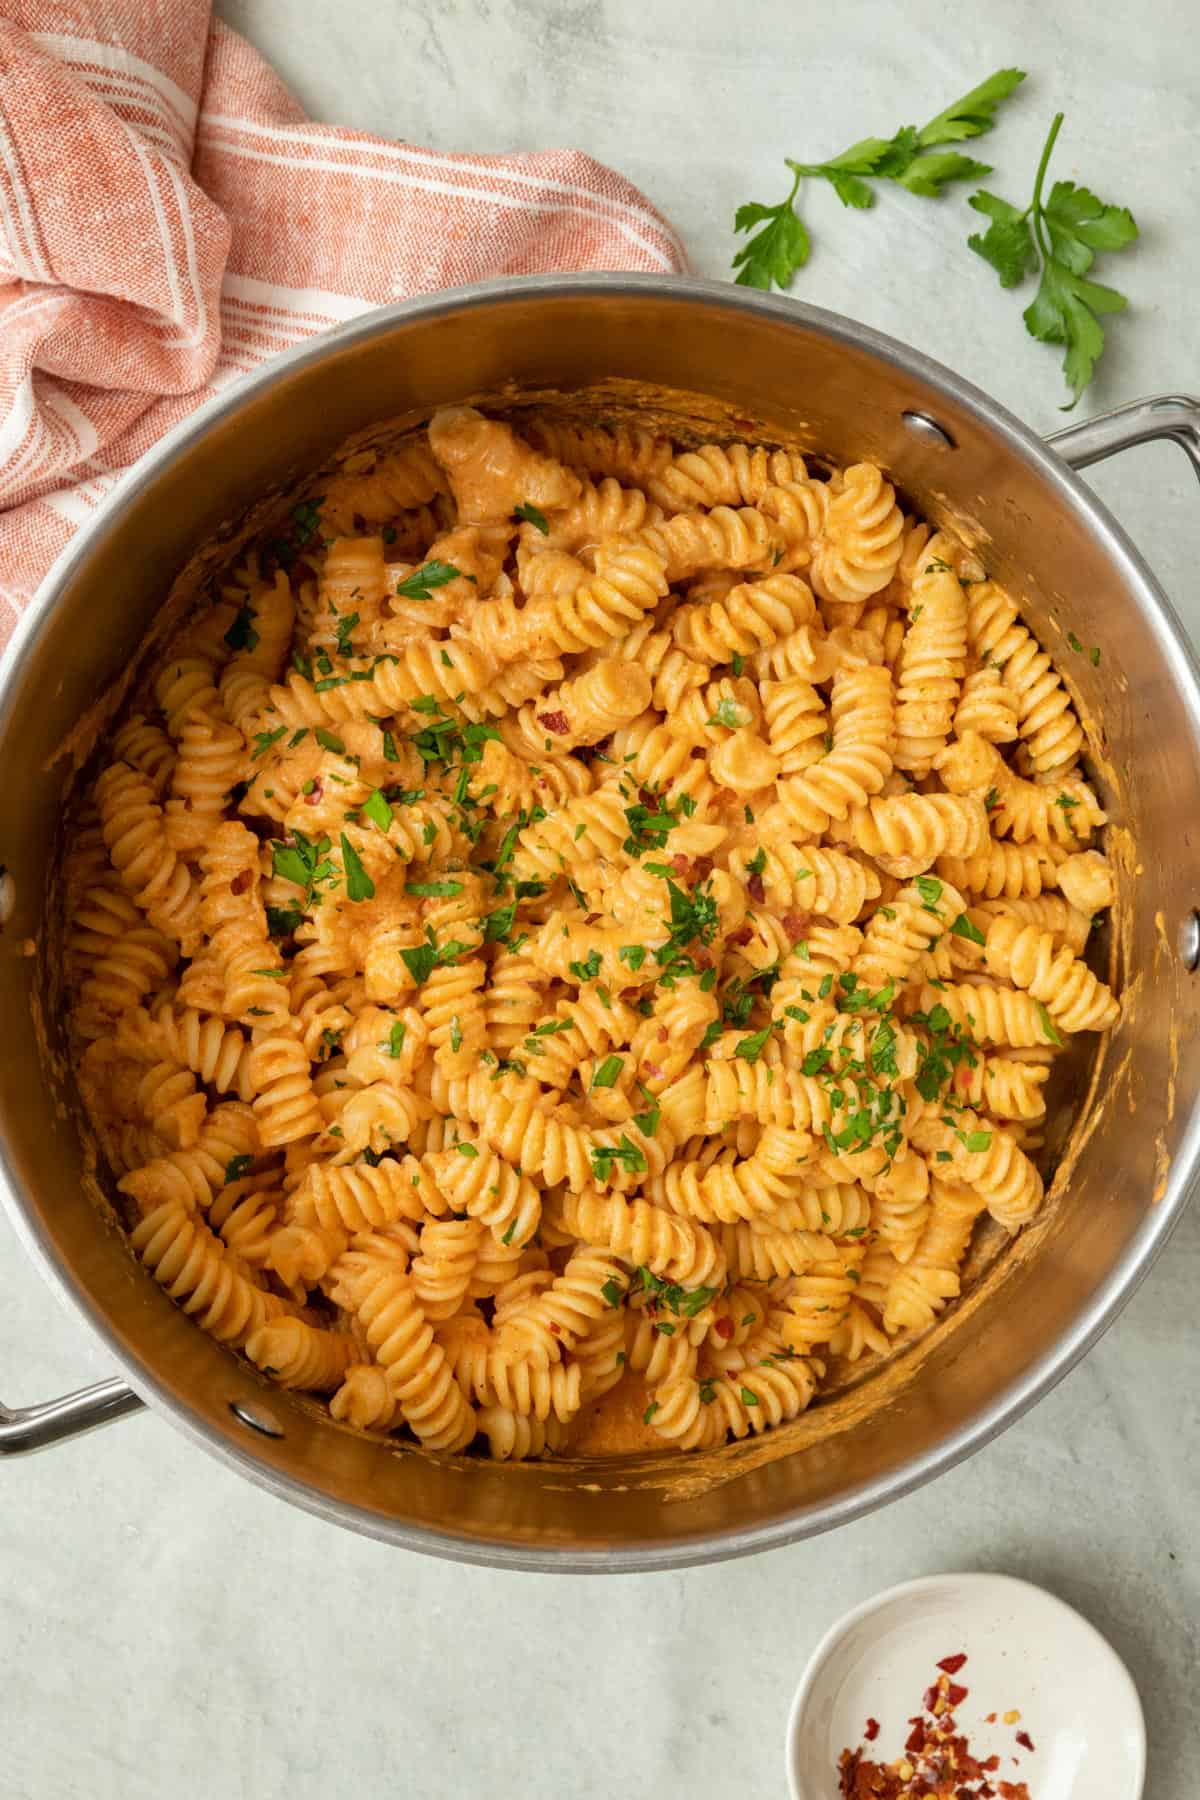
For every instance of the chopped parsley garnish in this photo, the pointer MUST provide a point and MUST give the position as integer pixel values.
(1049, 1029)
(930, 890)
(728, 713)
(359, 885)
(304, 862)
(684, 1302)
(376, 809)
(497, 926)
(329, 741)
(344, 633)
(608, 1072)
(241, 634)
(604, 1156)
(421, 583)
(532, 515)
(433, 890)
(963, 928)
(263, 741)
(283, 920)
(236, 1167)
(394, 1042)
(751, 1048)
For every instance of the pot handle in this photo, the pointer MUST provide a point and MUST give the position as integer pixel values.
(1173, 416)
(27, 1428)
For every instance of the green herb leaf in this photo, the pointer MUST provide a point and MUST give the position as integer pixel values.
(421, 583)
(1062, 236)
(328, 741)
(728, 713)
(911, 158)
(236, 1167)
(963, 928)
(283, 920)
(751, 1048)
(241, 634)
(604, 1156)
(359, 885)
(433, 890)
(607, 1072)
(376, 808)
(533, 516)
(468, 1150)
(1050, 1031)
(612, 1292)
(263, 741)
(344, 633)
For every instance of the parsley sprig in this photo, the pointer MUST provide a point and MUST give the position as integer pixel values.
(912, 158)
(1060, 235)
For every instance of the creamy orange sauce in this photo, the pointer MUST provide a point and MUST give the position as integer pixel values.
(614, 1425)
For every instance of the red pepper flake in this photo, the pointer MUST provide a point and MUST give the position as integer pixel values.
(795, 924)
(724, 1328)
(755, 889)
(742, 935)
(990, 1719)
(556, 722)
(698, 753)
(936, 1762)
(241, 881)
(682, 865)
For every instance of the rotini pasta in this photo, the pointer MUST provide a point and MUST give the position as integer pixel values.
(584, 917)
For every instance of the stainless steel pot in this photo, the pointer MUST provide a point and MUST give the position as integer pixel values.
(810, 378)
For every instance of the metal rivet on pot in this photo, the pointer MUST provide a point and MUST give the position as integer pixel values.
(258, 1417)
(1189, 941)
(928, 430)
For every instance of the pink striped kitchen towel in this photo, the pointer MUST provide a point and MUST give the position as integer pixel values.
(169, 218)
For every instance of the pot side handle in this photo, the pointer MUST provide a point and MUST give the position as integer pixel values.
(27, 1428)
(1173, 416)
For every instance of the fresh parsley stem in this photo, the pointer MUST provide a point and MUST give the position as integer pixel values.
(1035, 205)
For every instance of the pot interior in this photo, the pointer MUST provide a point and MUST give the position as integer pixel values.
(700, 362)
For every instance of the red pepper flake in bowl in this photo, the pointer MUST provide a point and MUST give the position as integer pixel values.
(556, 722)
(937, 1762)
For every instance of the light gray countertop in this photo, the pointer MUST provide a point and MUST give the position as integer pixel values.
(169, 1630)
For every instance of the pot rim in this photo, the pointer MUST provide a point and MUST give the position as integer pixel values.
(1118, 1287)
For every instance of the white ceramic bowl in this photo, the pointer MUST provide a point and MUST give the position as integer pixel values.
(1026, 1652)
